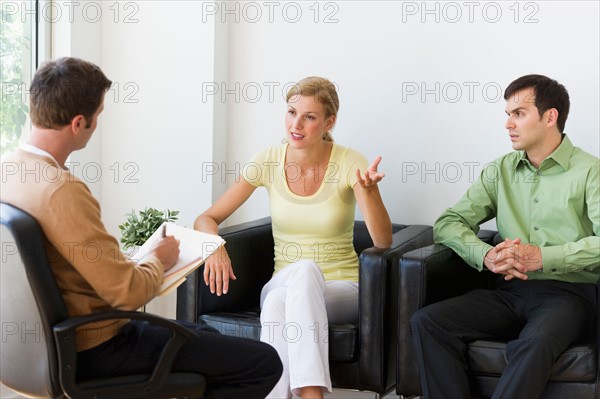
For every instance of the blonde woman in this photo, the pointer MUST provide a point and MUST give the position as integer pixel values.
(314, 185)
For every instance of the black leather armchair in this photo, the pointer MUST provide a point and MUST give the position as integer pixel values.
(362, 355)
(435, 273)
(38, 353)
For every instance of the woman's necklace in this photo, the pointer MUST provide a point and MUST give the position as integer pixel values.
(313, 171)
(304, 176)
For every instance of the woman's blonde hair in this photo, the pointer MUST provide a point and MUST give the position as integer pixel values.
(324, 92)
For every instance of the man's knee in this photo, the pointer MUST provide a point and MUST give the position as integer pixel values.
(542, 345)
(420, 318)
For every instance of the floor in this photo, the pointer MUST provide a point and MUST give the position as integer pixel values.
(6, 393)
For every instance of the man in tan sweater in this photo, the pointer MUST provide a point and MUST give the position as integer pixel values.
(67, 97)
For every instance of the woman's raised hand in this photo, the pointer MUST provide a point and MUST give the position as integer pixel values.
(371, 176)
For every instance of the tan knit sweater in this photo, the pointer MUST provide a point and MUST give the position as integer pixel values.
(89, 267)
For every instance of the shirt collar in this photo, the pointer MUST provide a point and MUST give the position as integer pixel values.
(521, 159)
(561, 155)
(30, 148)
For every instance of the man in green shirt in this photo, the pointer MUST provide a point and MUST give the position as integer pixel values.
(545, 197)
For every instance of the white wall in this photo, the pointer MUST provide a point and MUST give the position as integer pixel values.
(164, 128)
(425, 94)
(420, 83)
(154, 133)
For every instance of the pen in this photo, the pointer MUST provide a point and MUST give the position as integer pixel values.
(164, 231)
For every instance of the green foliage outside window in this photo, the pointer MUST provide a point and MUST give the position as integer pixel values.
(13, 45)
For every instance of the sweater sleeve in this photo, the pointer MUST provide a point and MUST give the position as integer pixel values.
(74, 227)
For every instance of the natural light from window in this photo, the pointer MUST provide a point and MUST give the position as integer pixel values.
(22, 41)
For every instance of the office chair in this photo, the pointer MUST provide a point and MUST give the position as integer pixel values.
(38, 357)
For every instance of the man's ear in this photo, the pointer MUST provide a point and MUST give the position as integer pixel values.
(78, 123)
(551, 117)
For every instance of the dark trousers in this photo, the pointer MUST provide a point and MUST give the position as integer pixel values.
(233, 367)
(539, 319)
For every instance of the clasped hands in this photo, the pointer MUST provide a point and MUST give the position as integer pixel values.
(513, 259)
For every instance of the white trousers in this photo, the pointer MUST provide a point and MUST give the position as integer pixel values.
(296, 306)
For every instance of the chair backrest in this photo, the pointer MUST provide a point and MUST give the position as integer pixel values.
(30, 302)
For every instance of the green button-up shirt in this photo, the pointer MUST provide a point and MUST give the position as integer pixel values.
(555, 207)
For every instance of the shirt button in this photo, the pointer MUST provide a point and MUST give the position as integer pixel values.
(539, 173)
(536, 200)
(536, 228)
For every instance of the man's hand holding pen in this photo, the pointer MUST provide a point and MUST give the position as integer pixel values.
(166, 249)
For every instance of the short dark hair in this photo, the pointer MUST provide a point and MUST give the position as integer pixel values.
(548, 94)
(65, 88)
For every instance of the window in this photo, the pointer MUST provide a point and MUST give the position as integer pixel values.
(24, 43)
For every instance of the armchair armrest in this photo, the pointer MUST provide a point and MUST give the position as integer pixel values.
(489, 236)
(64, 336)
(377, 299)
(428, 275)
(250, 247)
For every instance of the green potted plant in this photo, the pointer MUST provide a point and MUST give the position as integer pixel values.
(139, 227)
